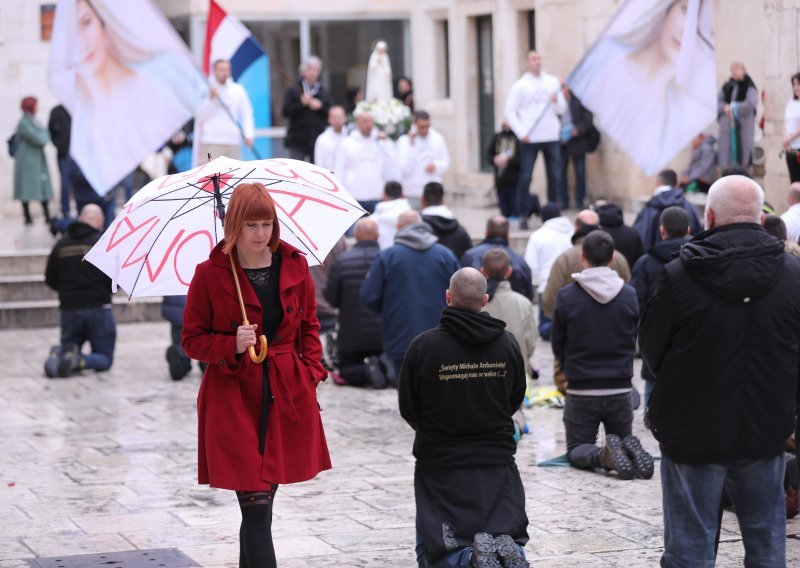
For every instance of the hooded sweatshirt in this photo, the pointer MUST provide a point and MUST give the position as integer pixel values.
(626, 239)
(648, 219)
(544, 246)
(594, 331)
(722, 336)
(406, 283)
(460, 385)
(445, 226)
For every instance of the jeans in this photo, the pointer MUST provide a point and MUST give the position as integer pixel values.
(556, 191)
(95, 325)
(582, 418)
(369, 205)
(793, 166)
(507, 201)
(65, 169)
(692, 501)
(545, 323)
(579, 167)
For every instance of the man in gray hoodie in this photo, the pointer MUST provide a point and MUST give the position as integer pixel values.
(594, 338)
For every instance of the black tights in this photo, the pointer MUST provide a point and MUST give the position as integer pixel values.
(255, 535)
(27, 212)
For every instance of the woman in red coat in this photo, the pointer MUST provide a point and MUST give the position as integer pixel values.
(259, 425)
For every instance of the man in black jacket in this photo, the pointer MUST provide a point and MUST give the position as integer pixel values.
(306, 105)
(460, 385)
(647, 270)
(626, 239)
(359, 340)
(60, 126)
(444, 224)
(722, 335)
(594, 339)
(84, 295)
(497, 237)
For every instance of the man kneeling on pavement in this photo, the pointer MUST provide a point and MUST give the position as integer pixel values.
(594, 338)
(460, 384)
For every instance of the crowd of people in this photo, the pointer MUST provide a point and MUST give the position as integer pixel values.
(416, 305)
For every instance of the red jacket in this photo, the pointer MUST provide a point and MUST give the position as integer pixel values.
(229, 402)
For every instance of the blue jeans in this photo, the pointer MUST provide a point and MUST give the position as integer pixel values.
(507, 201)
(545, 323)
(556, 190)
(582, 418)
(692, 502)
(65, 169)
(95, 325)
(579, 167)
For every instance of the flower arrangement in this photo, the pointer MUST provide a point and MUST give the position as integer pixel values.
(391, 117)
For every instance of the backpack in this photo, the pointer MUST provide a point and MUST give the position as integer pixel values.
(12, 145)
(592, 139)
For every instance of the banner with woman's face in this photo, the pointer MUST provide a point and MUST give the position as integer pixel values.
(126, 78)
(650, 77)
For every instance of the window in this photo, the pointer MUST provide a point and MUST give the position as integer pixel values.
(532, 30)
(443, 57)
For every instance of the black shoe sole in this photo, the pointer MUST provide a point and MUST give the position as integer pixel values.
(509, 554)
(642, 461)
(619, 457)
(484, 552)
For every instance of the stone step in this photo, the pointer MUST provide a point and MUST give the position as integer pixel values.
(24, 287)
(14, 263)
(45, 313)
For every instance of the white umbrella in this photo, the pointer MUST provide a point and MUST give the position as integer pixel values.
(171, 224)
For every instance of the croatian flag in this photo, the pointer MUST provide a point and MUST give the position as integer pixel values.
(227, 38)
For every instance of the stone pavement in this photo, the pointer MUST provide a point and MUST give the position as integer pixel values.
(106, 462)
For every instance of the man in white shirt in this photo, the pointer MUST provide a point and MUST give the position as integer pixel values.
(328, 142)
(365, 162)
(792, 215)
(532, 110)
(388, 211)
(423, 157)
(225, 119)
(544, 247)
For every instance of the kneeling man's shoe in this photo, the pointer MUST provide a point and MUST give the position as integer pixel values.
(614, 457)
(484, 552)
(508, 553)
(53, 361)
(641, 459)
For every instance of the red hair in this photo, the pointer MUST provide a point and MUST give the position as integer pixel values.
(28, 104)
(249, 202)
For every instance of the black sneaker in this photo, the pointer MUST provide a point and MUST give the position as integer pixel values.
(614, 458)
(375, 372)
(484, 552)
(53, 362)
(177, 363)
(508, 553)
(68, 360)
(642, 461)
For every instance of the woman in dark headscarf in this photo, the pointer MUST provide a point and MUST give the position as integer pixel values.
(736, 115)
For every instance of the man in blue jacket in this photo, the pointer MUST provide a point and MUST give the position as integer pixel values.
(667, 194)
(406, 284)
(594, 338)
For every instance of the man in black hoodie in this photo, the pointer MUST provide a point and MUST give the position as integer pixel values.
(647, 270)
(444, 224)
(667, 194)
(84, 295)
(460, 385)
(722, 334)
(626, 239)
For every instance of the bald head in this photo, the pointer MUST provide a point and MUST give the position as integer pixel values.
(733, 199)
(467, 290)
(497, 226)
(794, 193)
(92, 215)
(366, 229)
(408, 217)
(586, 218)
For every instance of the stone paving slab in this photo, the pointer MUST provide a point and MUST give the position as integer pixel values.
(106, 462)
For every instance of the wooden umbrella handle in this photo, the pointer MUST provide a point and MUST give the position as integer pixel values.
(255, 358)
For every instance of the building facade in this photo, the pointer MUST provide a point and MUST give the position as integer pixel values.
(462, 56)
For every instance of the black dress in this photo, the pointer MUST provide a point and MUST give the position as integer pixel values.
(265, 283)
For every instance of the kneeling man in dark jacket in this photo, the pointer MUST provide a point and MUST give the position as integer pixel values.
(460, 385)
(594, 338)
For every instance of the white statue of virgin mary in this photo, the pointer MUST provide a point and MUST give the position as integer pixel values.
(379, 74)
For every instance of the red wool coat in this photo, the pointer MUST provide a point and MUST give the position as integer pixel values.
(229, 403)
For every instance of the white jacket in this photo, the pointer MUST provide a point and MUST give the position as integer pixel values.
(364, 164)
(214, 124)
(792, 219)
(386, 214)
(544, 246)
(326, 146)
(528, 99)
(415, 157)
